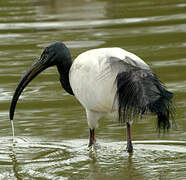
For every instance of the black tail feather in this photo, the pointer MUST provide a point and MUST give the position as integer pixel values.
(138, 92)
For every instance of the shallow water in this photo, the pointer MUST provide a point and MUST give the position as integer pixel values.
(51, 132)
(40, 158)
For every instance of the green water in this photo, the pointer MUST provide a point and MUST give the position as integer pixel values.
(51, 132)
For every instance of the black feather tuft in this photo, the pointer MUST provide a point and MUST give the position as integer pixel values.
(138, 92)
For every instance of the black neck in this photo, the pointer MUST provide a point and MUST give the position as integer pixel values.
(64, 77)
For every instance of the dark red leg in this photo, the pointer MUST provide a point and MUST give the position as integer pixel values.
(129, 140)
(92, 139)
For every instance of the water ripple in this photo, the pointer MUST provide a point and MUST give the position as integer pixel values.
(39, 158)
(93, 23)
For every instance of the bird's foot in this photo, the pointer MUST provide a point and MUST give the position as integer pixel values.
(129, 147)
(93, 147)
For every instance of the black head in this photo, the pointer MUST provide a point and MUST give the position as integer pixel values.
(55, 54)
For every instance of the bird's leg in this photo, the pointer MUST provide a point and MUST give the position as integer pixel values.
(91, 139)
(129, 140)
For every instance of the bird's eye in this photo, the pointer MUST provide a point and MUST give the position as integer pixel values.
(46, 51)
(44, 55)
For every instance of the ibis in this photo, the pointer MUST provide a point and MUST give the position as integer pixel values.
(105, 81)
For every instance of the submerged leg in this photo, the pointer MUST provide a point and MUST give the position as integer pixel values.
(91, 139)
(92, 118)
(129, 140)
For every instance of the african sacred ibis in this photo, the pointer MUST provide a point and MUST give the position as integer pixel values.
(105, 80)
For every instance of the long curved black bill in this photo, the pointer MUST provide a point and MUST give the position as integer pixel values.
(32, 72)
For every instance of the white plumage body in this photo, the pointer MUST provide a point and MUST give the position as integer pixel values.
(92, 79)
